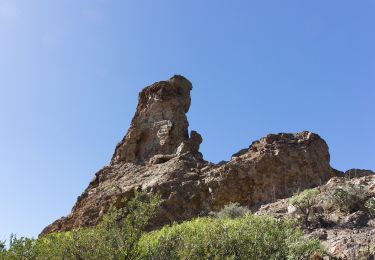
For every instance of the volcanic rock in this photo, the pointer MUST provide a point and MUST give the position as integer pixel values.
(159, 125)
(158, 156)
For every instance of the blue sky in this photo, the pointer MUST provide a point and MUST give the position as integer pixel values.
(70, 73)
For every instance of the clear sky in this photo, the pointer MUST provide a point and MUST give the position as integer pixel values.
(71, 70)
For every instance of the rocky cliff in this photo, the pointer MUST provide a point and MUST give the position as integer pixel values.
(158, 155)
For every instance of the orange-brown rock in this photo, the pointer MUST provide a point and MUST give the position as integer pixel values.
(157, 155)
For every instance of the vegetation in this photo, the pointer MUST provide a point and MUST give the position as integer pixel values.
(349, 198)
(370, 206)
(367, 252)
(233, 210)
(304, 202)
(121, 234)
(248, 237)
(116, 237)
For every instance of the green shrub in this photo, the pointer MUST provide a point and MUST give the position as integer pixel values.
(248, 237)
(370, 206)
(233, 210)
(55, 246)
(120, 230)
(115, 237)
(304, 202)
(349, 198)
(121, 235)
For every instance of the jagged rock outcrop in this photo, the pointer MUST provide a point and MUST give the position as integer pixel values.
(158, 156)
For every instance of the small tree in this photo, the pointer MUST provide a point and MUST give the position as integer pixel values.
(304, 202)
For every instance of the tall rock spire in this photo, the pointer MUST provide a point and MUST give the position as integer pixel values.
(159, 126)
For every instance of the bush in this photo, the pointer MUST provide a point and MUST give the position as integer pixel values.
(349, 198)
(115, 237)
(370, 206)
(248, 237)
(233, 210)
(121, 235)
(304, 202)
(120, 230)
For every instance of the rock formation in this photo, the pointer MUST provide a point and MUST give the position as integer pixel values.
(157, 155)
(159, 127)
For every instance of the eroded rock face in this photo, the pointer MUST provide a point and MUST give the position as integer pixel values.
(274, 167)
(158, 156)
(159, 125)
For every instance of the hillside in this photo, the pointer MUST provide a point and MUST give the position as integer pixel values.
(346, 233)
(159, 156)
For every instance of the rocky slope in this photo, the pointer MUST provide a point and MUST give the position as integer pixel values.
(158, 155)
(344, 235)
